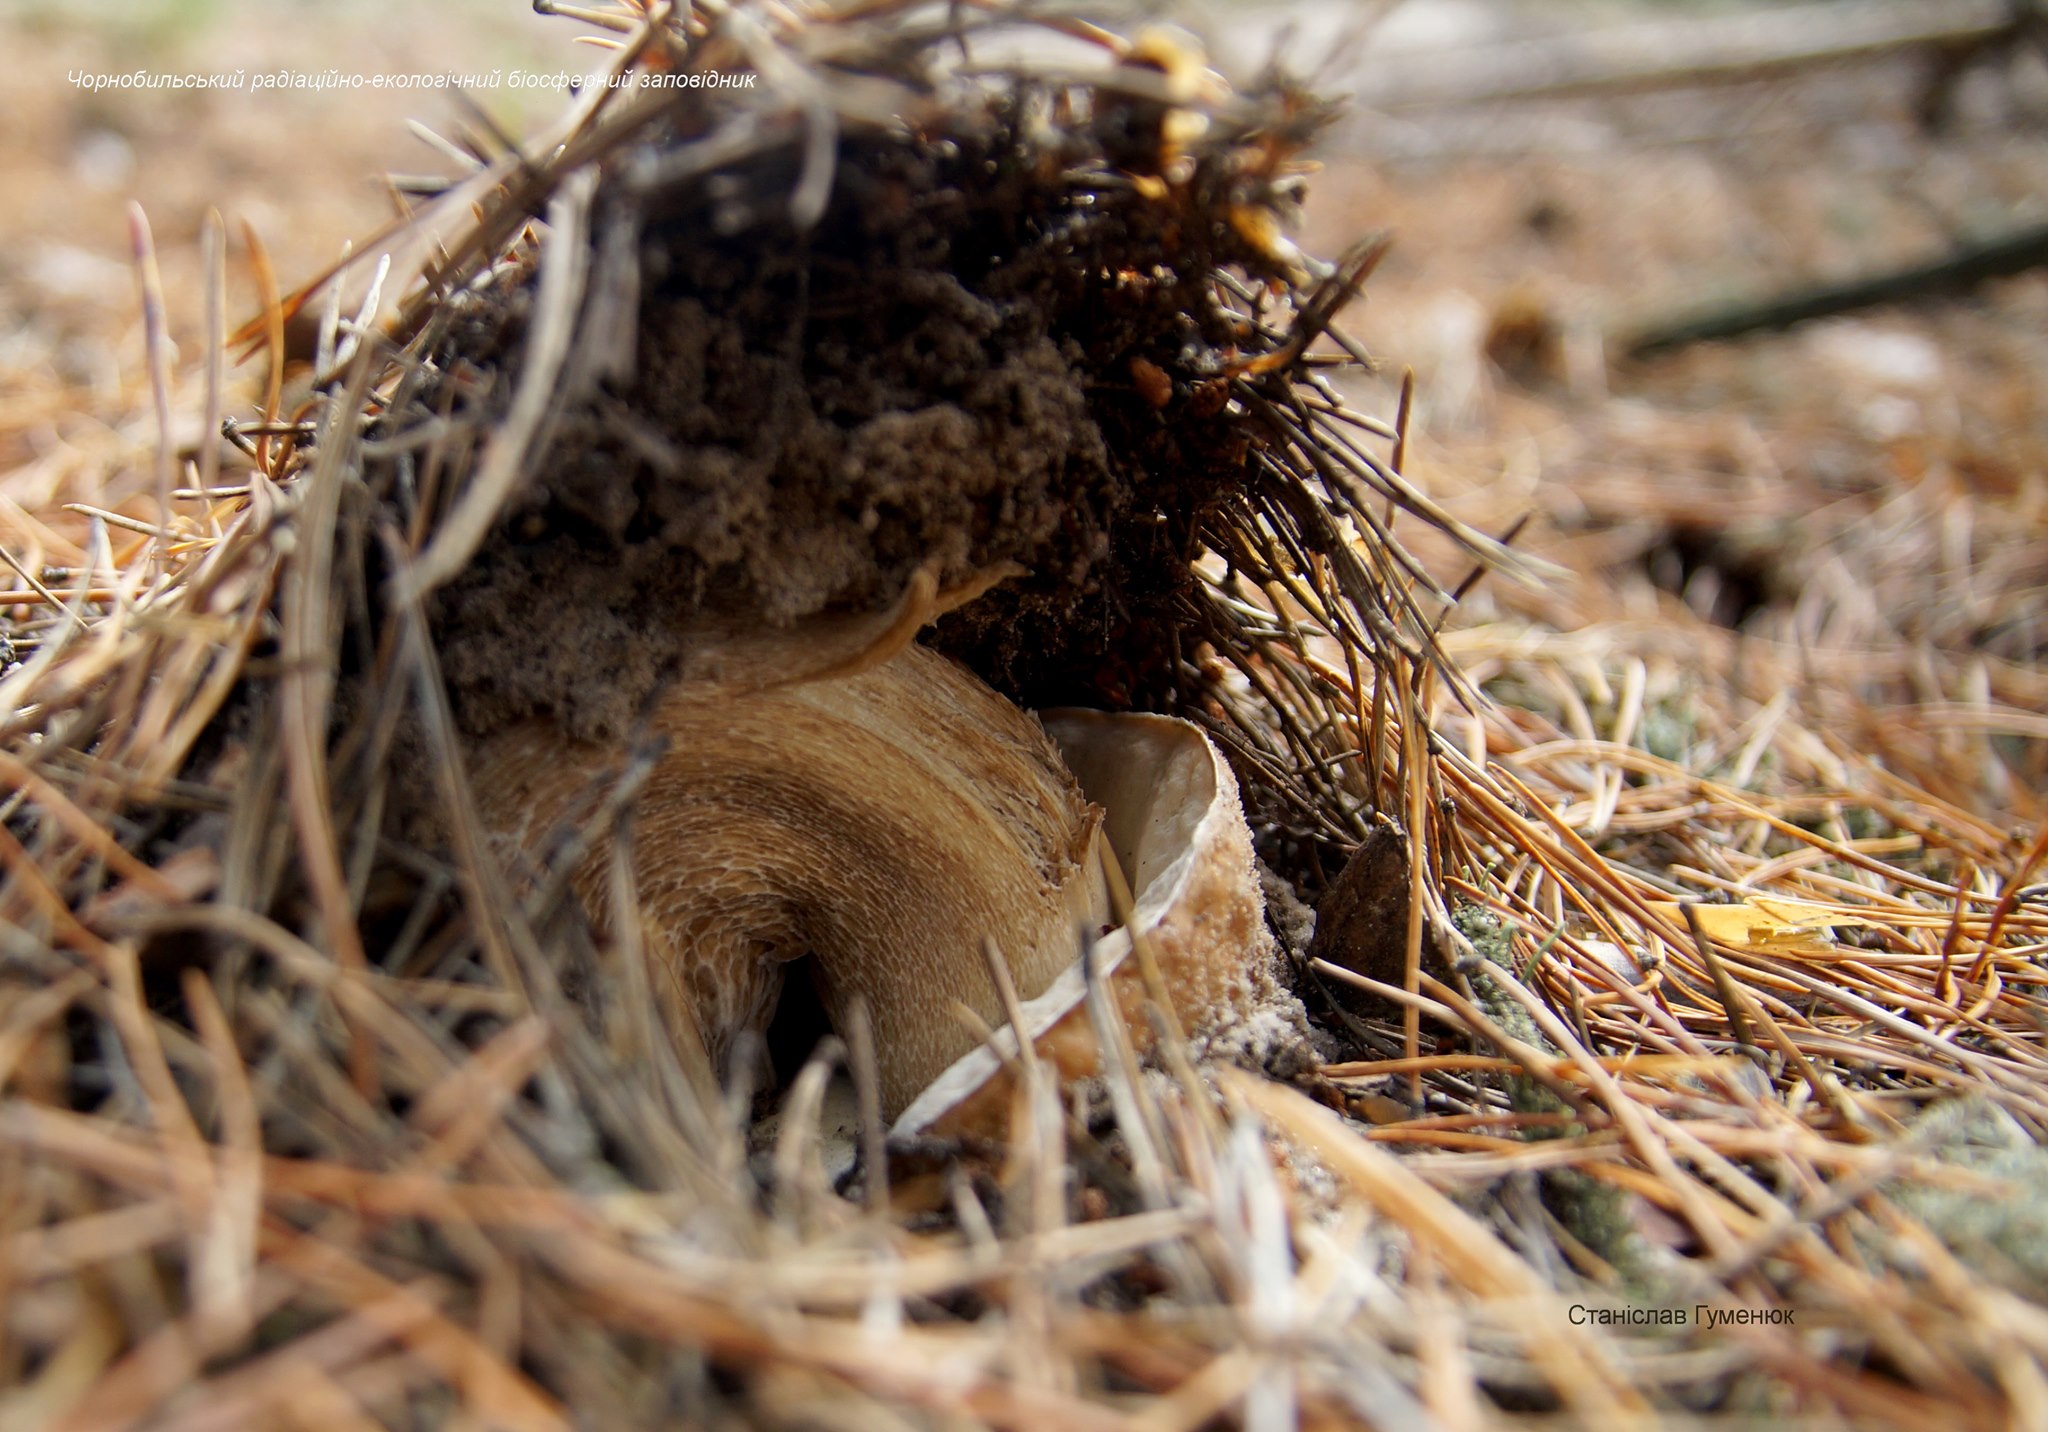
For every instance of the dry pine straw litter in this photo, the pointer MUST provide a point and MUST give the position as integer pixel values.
(1702, 1076)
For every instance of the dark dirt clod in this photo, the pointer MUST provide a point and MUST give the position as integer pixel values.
(939, 372)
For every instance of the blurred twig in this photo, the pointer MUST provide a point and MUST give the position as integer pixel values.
(1959, 272)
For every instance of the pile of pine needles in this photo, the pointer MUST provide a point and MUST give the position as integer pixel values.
(1707, 1076)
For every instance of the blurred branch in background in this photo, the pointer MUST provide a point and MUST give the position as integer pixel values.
(1961, 271)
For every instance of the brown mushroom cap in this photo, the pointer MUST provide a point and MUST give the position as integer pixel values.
(889, 817)
(885, 822)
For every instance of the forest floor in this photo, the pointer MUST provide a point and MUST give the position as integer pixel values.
(1783, 655)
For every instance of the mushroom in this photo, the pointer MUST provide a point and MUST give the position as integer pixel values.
(888, 816)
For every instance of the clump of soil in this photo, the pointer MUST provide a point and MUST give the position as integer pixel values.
(978, 356)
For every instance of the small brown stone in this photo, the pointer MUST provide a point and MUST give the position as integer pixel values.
(1362, 919)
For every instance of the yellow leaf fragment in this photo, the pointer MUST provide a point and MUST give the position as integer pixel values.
(1768, 924)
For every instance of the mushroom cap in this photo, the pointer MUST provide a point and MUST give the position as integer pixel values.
(1176, 826)
(890, 817)
(886, 821)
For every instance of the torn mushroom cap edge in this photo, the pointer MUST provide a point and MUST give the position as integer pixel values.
(1176, 826)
